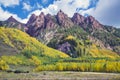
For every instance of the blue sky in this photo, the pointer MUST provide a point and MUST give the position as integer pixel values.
(105, 11)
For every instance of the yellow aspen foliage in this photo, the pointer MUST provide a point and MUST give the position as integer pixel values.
(118, 66)
(101, 61)
(12, 60)
(80, 68)
(49, 67)
(74, 66)
(98, 67)
(84, 67)
(70, 37)
(39, 68)
(45, 68)
(35, 60)
(111, 67)
(59, 67)
(3, 65)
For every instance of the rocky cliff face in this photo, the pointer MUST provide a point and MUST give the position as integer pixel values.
(35, 24)
(86, 22)
(61, 20)
(95, 24)
(12, 19)
(39, 23)
(64, 20)
(78, 19)
(65, 47)
(50, 22)
(32, 19)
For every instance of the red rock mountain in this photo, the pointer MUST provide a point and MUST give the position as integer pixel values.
(37, 23)
(64, 20)
(92, 21)
(78, 19)
(12, 22)
(12, 19)
(86, 21)
(50, 22)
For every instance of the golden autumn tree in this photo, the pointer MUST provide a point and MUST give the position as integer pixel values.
(3, 65)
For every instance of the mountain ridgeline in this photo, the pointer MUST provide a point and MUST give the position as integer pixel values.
(76, 36)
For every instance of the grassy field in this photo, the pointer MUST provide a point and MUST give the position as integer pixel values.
(53, 75)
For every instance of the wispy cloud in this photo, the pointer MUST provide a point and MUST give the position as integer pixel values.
(27, 6)
(44, 1)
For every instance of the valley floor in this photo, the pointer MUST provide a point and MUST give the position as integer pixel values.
(54, 75)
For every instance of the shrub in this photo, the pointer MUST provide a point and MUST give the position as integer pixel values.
(35, 60)
(12, 60)
(3, 65)
(59, 67)
(111, 67)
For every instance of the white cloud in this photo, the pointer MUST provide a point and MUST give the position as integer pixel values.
(27, 7)
(64, 5)
(39, 6)
(52, 9)
(68, 6)
(4, 15)
(9, 3)
(107, 12)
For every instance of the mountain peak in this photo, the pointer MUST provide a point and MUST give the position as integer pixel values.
(33, 15)
(12, 19)
(78, 19)
(31, 19)
(35, 24)
(60, 11)
(48, 14)
(63, 19)
(91, 18)
(42, 14)
(94, 22)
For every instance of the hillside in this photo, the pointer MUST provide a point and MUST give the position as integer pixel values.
(14, 41)
(78, 43)
(18, 49)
